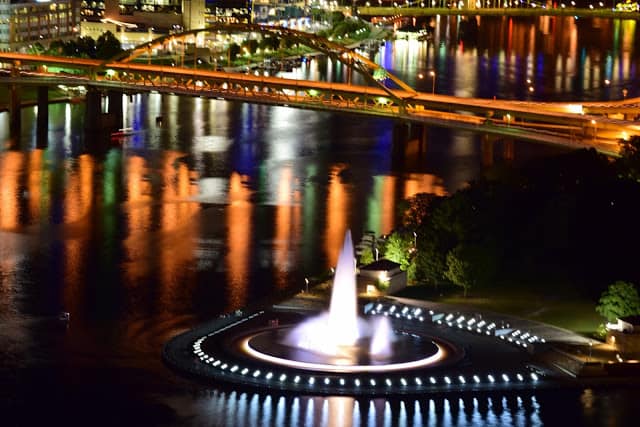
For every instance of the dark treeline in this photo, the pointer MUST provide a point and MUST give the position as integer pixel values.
(105, 47)
(573, 217)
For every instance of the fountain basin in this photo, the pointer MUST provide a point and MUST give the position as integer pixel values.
(410, 351)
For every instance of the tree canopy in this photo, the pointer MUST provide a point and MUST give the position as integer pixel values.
(568, 217)
(105, 47)
(619, 300)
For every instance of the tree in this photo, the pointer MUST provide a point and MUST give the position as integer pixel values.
(37, 49)
(233, 51)
(619, 300)
(415, 209)
(470, 265)
(366, 257)
(251, 45)
(85, 47)
(107, 46)
(629, 161)
(272, 43)
(459, 269)
(398, 248)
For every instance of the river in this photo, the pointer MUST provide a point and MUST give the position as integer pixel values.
(226, 204)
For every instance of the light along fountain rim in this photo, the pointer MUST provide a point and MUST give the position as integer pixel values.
(323, 367)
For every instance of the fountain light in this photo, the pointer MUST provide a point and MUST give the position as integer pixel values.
(339, 329)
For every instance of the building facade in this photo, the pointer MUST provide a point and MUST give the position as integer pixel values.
(26, 22)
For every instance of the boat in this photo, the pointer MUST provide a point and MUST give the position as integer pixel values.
(121, 133)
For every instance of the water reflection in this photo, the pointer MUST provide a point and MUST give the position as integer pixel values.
(239, 223)
(543, 58)
(249, 409)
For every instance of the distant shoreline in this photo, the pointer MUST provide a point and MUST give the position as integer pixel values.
(507, 12)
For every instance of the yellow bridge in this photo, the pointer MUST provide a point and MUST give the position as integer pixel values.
(573, 124)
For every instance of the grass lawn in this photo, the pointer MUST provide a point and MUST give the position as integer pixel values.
(562, 306)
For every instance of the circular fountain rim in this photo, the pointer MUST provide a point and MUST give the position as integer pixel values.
(342, 369)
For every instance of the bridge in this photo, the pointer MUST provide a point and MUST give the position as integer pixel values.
(578, 125)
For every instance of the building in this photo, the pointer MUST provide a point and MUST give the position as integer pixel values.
(384, 275)
(163, 16)
(26, 22)
(624, 336)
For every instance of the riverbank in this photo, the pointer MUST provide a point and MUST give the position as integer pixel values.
(596, 12)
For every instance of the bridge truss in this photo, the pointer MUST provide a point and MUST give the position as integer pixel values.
(371, 72)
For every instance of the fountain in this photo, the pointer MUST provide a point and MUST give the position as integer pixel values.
(347, 351)
(341, 333)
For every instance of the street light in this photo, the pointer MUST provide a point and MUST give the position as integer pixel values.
(433, 81)
(595, 129)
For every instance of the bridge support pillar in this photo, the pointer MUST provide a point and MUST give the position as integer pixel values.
(115, 102)
(115, 108)
(93, 109)
(486, 149)
(95, 119)
(424, 136)
(509, 150)
(401, 132)
(399, 138)
(14, 113)
(43, 116)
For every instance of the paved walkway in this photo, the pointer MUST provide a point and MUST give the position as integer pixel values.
(551, 334)
(580, 347)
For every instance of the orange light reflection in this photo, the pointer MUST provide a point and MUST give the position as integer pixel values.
(11, 163)
(239, 212)
(337, 202)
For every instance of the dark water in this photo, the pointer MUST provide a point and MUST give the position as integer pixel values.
(223, 206)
